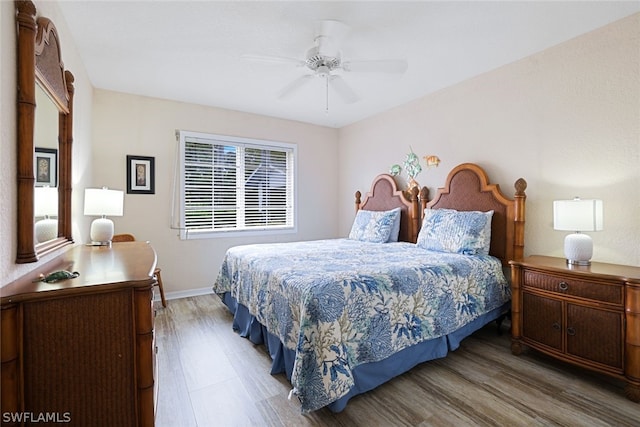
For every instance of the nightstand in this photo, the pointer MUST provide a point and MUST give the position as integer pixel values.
(585, 315)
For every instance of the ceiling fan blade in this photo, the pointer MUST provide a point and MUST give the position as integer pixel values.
(342, 88)
(273, 59)
(394, 66)
(293, 87)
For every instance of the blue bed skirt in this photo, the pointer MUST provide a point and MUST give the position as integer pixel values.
(366, 376)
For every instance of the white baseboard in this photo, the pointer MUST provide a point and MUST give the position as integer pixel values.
(184, 294)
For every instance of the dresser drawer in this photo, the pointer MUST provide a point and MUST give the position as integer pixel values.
(601, 292)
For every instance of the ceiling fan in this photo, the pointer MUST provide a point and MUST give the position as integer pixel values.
(324, 60)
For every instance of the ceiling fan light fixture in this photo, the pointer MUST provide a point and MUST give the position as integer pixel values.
(323, 71)
(315, 60)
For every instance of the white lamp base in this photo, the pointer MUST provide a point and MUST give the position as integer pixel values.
(46, 229)
(101, 231)
(578, 249)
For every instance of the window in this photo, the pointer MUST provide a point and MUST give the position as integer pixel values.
(230, 185)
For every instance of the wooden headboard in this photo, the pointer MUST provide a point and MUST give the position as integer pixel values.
(385, 195)
(467, 189)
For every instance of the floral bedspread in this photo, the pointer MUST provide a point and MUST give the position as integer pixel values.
(340, 303)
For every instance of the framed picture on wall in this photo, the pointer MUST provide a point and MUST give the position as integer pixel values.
(140, 175)
(46, 167)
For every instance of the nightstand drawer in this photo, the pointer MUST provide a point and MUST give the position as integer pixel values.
(609, 293)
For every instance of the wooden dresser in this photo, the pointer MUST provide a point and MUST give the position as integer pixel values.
(585, 315)
(82, 351)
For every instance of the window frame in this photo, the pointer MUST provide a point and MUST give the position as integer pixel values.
(190, 234)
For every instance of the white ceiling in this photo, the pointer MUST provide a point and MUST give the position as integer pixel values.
(190, 50)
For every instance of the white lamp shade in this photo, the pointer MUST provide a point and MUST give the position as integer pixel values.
(103, 202)
(45, 201)
(578, 215)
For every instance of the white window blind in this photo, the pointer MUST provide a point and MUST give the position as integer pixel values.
(231, 184)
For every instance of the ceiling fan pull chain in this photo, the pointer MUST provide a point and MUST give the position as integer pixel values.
(326, 80)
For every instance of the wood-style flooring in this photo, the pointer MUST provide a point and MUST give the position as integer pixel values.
(209, 376)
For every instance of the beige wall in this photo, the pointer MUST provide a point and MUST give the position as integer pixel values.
(81, 130)
(566, 119)
(128, 124)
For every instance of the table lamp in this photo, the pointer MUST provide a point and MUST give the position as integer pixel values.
(102, 202)
(46, 206)
(578, 215)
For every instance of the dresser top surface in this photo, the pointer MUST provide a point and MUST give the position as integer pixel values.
(122, 264)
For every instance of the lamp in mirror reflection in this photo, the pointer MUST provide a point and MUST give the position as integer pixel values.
(45, 207)
(102, 202)
(578, 215)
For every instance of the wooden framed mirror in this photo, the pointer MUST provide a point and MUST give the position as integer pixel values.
(40, 63)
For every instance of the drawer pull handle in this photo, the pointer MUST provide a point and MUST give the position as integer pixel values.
(556, 326)
(563, 286)
(571, 331)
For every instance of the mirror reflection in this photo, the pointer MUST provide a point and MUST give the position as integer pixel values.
(38, 39)
(45, 168)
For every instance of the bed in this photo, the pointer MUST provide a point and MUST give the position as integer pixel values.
(342, 316)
